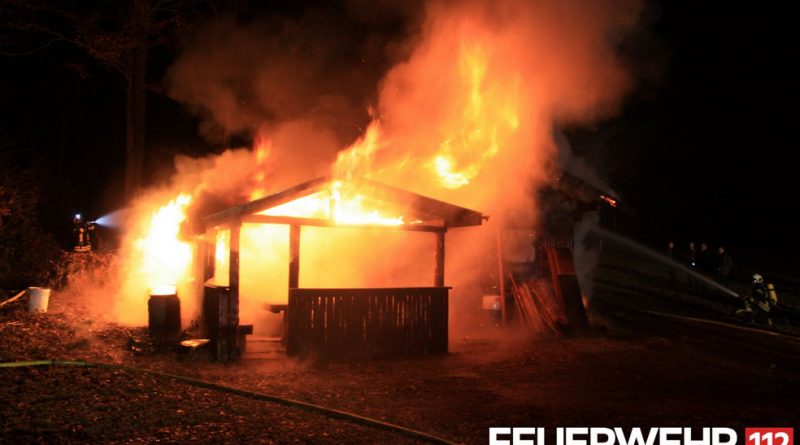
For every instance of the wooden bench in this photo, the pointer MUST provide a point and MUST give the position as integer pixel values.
(244, 331)
(277, 309)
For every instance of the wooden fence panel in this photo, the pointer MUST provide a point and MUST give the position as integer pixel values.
(371, 322)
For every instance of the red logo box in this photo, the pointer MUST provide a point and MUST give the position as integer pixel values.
(769, 436)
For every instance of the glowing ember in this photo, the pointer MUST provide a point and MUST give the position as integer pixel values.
(166, 257)
(611, 201)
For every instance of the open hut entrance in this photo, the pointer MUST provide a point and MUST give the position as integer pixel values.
(386, 314)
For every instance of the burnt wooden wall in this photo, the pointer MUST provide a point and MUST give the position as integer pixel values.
(371, 322)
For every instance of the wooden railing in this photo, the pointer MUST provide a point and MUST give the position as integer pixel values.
(367, 322)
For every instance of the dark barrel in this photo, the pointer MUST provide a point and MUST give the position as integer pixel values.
(164, 316)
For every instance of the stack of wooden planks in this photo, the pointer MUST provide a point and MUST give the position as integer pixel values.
(537, 306)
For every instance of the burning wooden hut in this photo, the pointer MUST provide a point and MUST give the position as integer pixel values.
(401, 320)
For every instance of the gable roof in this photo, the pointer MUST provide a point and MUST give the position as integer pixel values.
(421, 209)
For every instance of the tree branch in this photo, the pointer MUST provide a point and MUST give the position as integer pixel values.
(32, 51)
(93, 51)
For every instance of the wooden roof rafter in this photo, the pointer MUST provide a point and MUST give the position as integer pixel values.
(435, 215)
(423, 207)
(232, 214)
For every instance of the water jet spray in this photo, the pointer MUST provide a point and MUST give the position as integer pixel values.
(663, 259)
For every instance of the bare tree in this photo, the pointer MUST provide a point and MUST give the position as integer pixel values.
(117, 36)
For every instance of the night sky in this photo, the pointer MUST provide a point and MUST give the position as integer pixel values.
(702, 148)
(713, 144)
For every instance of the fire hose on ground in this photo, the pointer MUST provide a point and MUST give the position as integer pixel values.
(330, 412)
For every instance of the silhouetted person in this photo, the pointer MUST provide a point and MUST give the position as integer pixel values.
(724, 265)
(671, 253)
(690, 257)
(704, 259)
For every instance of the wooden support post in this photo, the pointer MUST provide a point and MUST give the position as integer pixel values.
(233, 273)
(294, 278)
(294, 256)
(201, 272)
(501, 273)
(438, 272)
(228, 347)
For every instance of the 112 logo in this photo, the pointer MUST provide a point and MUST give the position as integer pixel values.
(769, 436)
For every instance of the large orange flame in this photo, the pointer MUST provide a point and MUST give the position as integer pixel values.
(261, 149)
(466, 118)
(221, 264)
(490, 115)
(357, 160)
(166, 257)
(340, 204)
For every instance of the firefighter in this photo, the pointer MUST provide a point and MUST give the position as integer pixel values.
(704, 259)
(749, 301)
(81, 229)
(724, 265)
(760, 299)
(773, 296)
(690, 256)
(773, 305)
(671, 254)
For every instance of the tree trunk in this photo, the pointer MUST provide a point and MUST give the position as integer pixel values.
(135, 103)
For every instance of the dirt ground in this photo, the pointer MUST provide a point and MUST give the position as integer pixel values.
(633, 369)
(609, 377)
